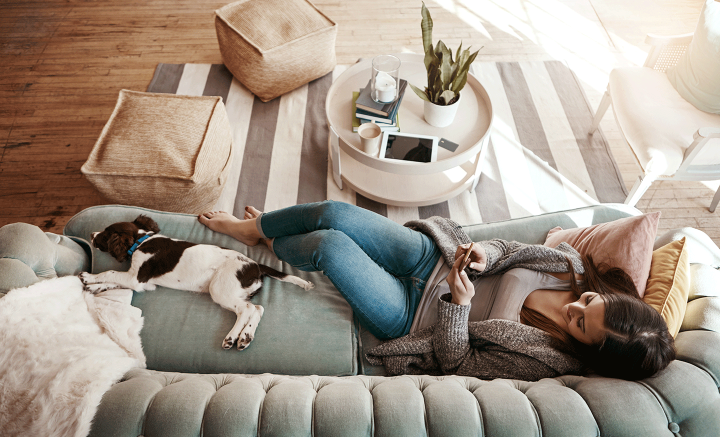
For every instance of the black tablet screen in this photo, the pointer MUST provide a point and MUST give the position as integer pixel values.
(409, 148)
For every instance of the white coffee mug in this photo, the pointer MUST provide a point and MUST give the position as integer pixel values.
(370, 134)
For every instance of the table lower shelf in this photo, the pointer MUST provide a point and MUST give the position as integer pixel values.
(404, 190)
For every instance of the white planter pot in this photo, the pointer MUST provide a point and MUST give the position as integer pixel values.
(440, 116)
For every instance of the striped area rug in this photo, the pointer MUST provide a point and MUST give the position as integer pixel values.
(540, 158)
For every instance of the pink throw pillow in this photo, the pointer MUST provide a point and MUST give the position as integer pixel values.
(626, 243)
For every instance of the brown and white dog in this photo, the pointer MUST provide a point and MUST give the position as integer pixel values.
(230, 277)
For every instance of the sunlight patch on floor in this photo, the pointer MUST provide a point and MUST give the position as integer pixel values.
(562, 32)
(474, 13)
(713, 185)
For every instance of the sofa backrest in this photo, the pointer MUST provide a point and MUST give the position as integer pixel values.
(534, 229)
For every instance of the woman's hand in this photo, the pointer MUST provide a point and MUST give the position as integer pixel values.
(478, 257)
(461, 288)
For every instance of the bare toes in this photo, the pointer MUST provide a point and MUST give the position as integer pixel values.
(217, 220)
(251, 212)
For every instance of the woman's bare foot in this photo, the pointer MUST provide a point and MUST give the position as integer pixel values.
(252, 213)
(244, 231)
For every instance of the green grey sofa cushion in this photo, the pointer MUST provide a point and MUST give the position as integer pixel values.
(301, 332)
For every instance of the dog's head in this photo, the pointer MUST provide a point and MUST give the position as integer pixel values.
(117, 238)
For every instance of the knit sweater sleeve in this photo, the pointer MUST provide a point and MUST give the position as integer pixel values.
(451, 340)
(502, 255)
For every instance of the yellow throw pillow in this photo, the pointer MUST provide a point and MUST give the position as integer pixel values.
(669, 283)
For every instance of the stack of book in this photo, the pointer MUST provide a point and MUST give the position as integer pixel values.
(385, 115)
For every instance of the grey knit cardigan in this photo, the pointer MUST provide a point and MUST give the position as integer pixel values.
(488, 349)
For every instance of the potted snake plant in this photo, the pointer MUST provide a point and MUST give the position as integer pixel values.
(446, 76)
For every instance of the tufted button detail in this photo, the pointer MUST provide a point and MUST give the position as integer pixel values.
(673, 427)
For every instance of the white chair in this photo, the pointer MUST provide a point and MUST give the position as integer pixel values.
(670, 138)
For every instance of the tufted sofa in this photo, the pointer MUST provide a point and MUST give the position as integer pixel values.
(305, 373)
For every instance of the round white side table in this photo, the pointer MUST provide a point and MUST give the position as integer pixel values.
(404, 183)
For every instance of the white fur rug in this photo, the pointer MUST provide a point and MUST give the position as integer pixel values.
(60, 350)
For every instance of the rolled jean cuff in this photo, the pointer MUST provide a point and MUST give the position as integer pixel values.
(258, 225)
(270, 241)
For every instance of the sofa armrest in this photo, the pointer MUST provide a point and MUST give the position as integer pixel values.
(15, 274)
(703, 313)
(28, 255)
(700, 348)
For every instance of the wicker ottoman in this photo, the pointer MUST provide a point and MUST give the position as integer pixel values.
(275, 46)
(162, 151)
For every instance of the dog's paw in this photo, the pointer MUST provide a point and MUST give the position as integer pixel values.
(308, 285)
(86, 278)
(145, 287)
(244, 341)
(100, 287)
(228, 343)
(95, 288)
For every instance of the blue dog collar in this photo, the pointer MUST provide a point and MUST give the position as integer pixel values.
(135, 246)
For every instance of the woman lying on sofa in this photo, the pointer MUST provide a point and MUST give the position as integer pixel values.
(508, 310)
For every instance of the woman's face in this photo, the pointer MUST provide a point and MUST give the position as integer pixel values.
(585, 318)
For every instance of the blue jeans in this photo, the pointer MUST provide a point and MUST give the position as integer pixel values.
(379, 266)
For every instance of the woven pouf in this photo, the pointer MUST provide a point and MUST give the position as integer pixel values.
(163, 151)
(275, 46)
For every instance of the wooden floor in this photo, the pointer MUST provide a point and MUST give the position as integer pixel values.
(64, 61)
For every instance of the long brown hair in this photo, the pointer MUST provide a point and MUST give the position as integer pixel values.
(601, 279)
(637, 343)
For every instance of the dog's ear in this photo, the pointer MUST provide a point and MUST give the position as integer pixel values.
(118, 245)
(145, 222)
